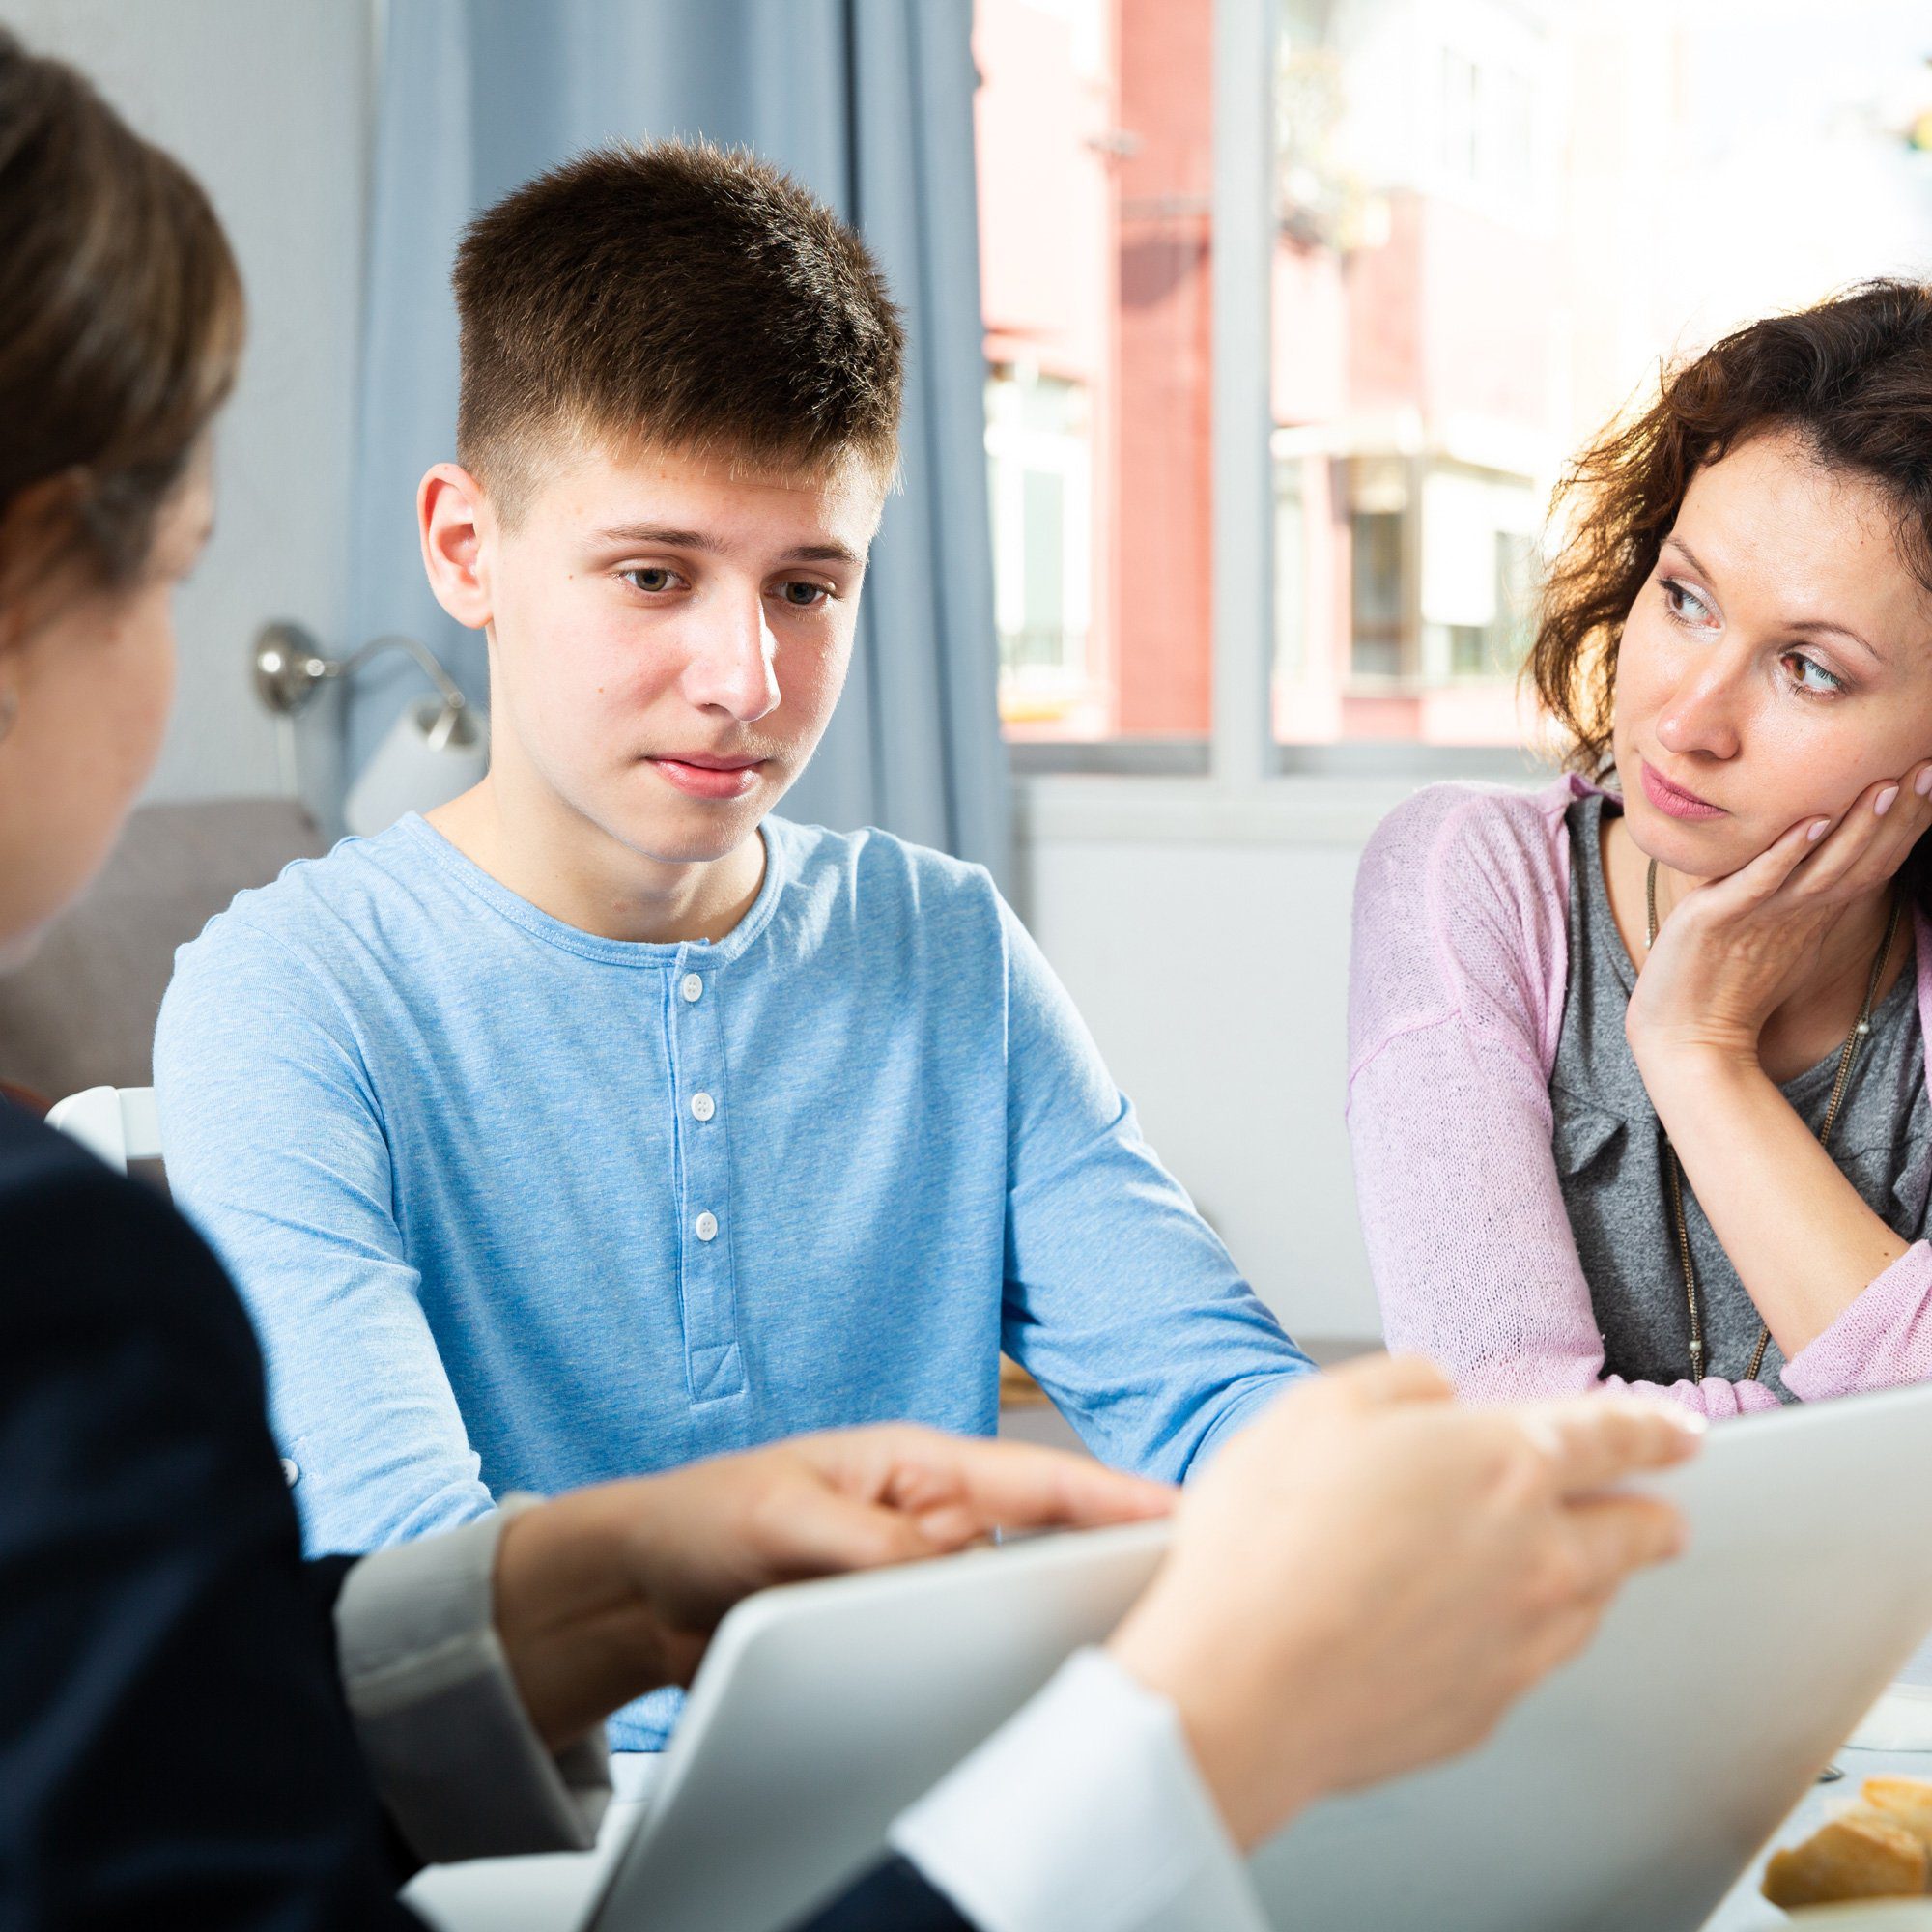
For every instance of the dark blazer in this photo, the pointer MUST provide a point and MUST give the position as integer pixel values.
(175, 1749)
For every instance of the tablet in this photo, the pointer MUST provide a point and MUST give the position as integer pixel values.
(1630, 1789)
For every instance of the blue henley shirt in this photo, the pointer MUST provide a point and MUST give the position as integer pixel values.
(515, 1207)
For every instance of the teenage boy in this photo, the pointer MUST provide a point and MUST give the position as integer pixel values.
(601, 1121)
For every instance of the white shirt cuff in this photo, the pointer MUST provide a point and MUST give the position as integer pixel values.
(457, 1763)
(1085, 1809)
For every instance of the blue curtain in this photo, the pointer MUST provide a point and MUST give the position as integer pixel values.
(869, 103)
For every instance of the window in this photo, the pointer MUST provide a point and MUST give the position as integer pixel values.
(1291, 573)
(1376, 591)
(1040, 470)
(1094, 155)
(1414, 338)
(1492, 222)
(1457, 117)
(1484, 248)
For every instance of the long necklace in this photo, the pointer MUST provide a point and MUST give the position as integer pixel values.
(1673, 1169)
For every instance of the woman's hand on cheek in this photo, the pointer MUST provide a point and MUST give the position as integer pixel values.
(1734, 949)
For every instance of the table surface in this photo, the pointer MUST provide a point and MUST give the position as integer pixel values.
(554, 1894)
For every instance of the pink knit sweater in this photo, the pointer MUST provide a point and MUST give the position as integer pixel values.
(1455, 1000)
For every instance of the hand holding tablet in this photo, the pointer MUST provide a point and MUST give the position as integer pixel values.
(1371, 1574)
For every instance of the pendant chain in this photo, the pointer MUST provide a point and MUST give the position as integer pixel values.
(1673, 1167)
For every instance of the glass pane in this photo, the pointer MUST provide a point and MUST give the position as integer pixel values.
(1375, 583)
(1094, 142)
(1495, 220)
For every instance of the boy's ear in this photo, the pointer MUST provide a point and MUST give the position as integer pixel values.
(452, 520)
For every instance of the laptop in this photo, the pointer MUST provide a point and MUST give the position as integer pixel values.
(1630, 1789)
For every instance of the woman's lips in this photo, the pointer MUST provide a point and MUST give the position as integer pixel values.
(709, 780)
(1669, 798)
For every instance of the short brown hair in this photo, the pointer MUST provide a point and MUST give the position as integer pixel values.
(678, 294)
(1852, 377)
(121, 325)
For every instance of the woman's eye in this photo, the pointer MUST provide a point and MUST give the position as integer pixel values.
(1808, 675)
(1685, 603)
(803, 596)
(649, 578)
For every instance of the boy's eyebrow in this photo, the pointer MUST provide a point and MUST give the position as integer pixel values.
(657, 533)
(822, 552)
(669, 539)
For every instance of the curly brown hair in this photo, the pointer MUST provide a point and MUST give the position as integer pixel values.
(1852, 377)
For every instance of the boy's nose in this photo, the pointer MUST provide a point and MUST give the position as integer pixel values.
(735, 667)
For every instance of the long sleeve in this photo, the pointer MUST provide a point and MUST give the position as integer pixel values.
(1119, 1297)
(1085, 1809)
(457, 1763)
(178, 1748)
(277, 1152)
(1456, 978)
(1883, 1340)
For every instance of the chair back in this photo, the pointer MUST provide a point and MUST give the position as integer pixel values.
(115, 1123)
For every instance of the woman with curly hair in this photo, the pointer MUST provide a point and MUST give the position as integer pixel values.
(1638, 1064)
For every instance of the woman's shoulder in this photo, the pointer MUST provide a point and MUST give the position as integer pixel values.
(1461, 906)
(1470, 846)
(1457, 824)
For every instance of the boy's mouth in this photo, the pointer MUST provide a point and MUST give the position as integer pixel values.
(700, 776)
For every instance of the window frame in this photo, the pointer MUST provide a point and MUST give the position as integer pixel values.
(1239, 785)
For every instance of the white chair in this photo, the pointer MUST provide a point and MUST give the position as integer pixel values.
(115, 1123)
(118, 1125)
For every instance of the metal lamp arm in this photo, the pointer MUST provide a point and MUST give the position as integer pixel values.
(290, 666)
(397, 640)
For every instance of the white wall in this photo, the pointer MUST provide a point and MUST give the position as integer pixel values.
(269, 102)
(1208, 954)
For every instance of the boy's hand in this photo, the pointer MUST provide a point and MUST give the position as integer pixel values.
(611, 1591)
(1370, 1575)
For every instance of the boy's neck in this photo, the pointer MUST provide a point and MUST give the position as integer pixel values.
(578, 873)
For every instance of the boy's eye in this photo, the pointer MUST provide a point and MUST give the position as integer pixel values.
(803, 596)
(649, 578)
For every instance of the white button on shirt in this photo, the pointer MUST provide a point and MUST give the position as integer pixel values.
(703, 1106)
(706, 1226)
(692, 986)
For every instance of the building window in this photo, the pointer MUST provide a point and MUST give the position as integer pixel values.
(1479, 256)
(1038, 471)
(1095, 133)
(1375, 593)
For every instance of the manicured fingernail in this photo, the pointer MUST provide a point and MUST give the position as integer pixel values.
(1922, 784)
(1819, 828)
(1882, 803)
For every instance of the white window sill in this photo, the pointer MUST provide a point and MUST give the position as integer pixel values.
(1291, 810)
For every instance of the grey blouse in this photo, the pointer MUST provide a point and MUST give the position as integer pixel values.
(1610, 1150)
